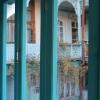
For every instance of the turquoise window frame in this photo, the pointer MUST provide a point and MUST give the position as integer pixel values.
(94, 51)
(48, 54)
(20, 81)
(3, 21)
(48, 72)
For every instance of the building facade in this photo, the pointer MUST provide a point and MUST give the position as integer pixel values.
(69, 36)
(69, 27)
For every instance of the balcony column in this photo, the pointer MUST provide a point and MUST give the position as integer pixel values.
(48, 57)
(79, 22)
(20, 50)
(3, 21)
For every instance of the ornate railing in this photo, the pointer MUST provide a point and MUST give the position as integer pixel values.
(31, 50)
(73, 51)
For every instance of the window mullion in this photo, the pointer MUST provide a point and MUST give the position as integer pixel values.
(48, 65)
(3, 22)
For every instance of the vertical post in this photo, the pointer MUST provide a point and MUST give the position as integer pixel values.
(20, 50)
(94, 51)
(33, 21)
(48, 57)
(83, 29)
(79, 22)
(3, 15)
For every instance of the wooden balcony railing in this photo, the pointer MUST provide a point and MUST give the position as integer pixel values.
(73, 51)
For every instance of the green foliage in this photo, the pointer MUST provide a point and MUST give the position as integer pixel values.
(33, 70)
(10, 70)
(65, 68)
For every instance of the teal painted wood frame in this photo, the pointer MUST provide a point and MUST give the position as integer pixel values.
(48, 56)
(20, 50)
(94, 51)
(3, 21)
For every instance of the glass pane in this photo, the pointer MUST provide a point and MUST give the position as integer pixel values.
(32, 50)
(10, 50)
(72, 63)
(72, 51)
(10, 29)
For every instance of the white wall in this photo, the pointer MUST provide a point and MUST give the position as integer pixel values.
(10, 10)
(62, 16)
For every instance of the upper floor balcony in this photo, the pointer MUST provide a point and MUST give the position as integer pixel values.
(72, 51)
(31, 50)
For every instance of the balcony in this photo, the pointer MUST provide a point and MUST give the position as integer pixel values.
(72, 51)
(31, 50)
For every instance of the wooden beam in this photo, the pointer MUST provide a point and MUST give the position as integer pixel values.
(33, 21)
